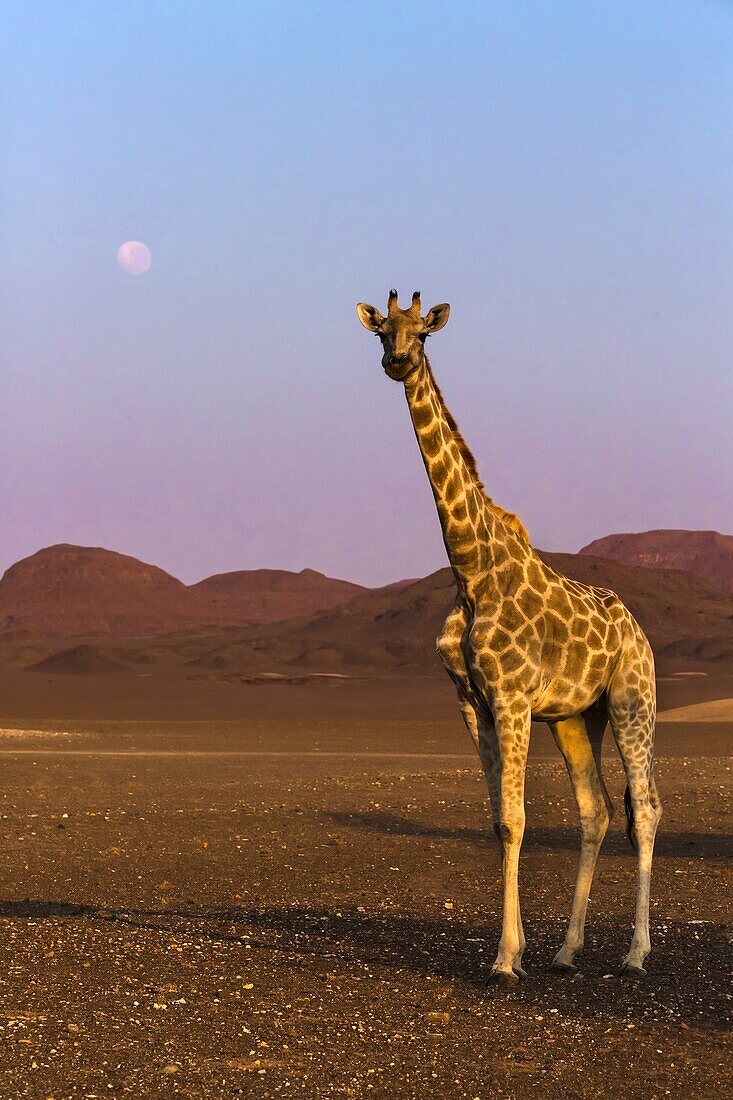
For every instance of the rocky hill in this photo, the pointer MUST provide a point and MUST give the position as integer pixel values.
(266, 595)
(69, 591)
(395, 631)
(320, 625)
(707, 554)
(72, 591)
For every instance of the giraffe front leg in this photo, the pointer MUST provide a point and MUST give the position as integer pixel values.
(517, 966)
(579, 740)
(512, 729)
(483, 732)
(482, 729)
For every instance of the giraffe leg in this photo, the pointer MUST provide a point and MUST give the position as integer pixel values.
(579, 740)
(483, 735)
(647, 812)
(632, 714)
(512, 729)
(517, 964)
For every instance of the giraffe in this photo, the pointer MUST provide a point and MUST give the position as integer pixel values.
(525, 643)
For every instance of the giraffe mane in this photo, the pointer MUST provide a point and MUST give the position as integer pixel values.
(509, 518)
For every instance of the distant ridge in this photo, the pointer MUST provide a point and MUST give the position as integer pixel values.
(317, 625)
(78, 661)
(266, 595)
(67, 591)
(393, 630)
(707, 554)
(72, 591)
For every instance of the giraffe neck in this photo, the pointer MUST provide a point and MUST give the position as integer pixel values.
(469, 527)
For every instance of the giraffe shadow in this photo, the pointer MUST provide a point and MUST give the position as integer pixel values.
(687, 960)
(685, 844)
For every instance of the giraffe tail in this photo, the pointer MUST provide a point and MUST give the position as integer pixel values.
(629, 807)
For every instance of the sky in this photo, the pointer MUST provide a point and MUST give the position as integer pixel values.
(561, 172)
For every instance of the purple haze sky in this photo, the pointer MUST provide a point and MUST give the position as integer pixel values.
(561, 173)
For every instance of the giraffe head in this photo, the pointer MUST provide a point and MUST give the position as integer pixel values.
(403, 332)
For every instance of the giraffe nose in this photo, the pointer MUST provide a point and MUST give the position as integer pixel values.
(396, 360)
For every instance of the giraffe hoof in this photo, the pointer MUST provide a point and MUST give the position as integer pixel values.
(502, 979)
(632, 973)
(563, 968)
(520, 972)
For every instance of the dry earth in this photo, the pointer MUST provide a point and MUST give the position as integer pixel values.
(304, 902)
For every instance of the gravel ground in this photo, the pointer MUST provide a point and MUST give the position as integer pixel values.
(223, 925)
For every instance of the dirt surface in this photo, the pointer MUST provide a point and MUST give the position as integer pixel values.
(305, 902)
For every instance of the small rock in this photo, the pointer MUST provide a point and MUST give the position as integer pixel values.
(438, 1017)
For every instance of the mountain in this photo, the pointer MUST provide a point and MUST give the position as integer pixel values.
(707, 554)
(69, 591)
(217, 625)
(395, 630)
(80, 660)
(381, 631)
(266, 595)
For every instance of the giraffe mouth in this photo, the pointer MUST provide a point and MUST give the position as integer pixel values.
(400, 376)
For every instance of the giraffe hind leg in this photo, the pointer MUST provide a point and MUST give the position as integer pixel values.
(632, 709)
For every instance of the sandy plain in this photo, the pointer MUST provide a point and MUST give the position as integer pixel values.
(225, 889)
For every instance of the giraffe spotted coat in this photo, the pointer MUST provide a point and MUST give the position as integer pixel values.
(525, 643)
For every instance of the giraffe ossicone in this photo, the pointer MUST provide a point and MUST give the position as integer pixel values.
(525, 643)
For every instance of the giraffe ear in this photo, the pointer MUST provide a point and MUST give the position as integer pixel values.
(437, 318)
(370, 317)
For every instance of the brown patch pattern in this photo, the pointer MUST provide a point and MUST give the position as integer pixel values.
(523, 642)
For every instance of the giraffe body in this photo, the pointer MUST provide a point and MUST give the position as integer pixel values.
(524, 643)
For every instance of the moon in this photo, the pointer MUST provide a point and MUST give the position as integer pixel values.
(134, 257)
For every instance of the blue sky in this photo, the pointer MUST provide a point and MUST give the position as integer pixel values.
(560, 172)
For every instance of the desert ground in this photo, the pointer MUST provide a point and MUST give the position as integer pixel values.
(230, 889)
